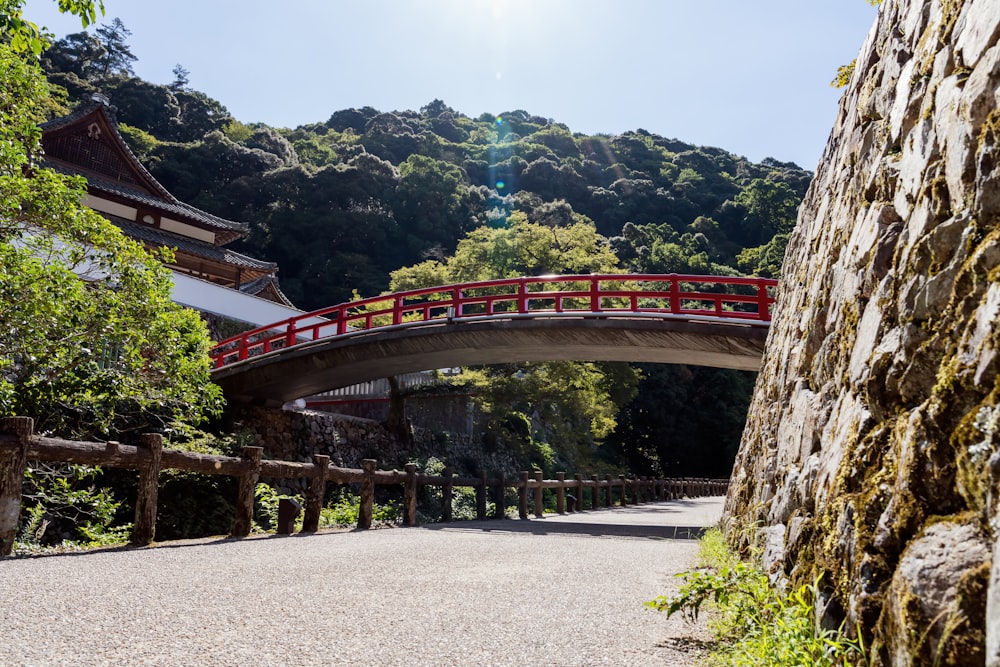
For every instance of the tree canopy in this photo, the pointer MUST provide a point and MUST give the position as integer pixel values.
(89, 338)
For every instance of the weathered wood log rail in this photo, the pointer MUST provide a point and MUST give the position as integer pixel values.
(18, 445)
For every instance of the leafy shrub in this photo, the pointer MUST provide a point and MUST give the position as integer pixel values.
(344, 512)
(62, 507)
(757, 624)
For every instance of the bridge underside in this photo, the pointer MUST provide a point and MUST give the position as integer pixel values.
(341, 362)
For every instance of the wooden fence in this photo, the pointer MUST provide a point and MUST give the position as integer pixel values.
(18, 445)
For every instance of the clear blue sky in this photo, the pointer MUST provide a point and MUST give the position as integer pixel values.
(749, 76)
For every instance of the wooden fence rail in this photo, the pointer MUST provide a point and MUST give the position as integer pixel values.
(18, 445)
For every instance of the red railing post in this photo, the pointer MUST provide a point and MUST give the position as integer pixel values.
(763, 301)
(290, 332)
(244, 345)
(522, 296)
(456, 301)
(675, 294)
(397, 311)
(595, 294)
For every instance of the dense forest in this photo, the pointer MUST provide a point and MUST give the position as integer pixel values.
(367, 200)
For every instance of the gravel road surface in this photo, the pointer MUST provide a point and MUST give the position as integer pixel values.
(556, 591)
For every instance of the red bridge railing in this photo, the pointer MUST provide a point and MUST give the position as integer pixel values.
(620, 295)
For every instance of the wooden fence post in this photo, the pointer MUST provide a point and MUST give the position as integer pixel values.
(522, 496)
(144, 529)
(481, 497)
(367, 503)
(447, 494)
(608, 492)
(595, 493)
(315, 494)
(13, 461)
(499, 492)
(561, 493)
(248, 485)
(539, 505)
(578, 478)
(623, 501)
(410, 496)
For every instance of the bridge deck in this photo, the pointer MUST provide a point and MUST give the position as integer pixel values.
(698, 320)
(328, 364)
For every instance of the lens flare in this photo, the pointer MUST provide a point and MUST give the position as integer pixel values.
(500, 185)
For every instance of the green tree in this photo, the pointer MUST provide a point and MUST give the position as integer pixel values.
(771, 208)
(528, 249)
(119, 59)
(92, 57)
(181, 77)
(764, 260)
(79, 55)
(89, 339)
(432, 202)
(547, 413)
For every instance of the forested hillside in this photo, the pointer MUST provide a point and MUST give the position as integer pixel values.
(343, 203)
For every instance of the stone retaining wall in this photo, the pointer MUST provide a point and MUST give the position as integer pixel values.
(296, 435)
(870, 452)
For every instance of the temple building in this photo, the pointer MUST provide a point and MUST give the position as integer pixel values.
(207, 275)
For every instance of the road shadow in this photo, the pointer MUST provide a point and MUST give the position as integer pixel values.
(578, 528)
(663, 521)
(651, 521)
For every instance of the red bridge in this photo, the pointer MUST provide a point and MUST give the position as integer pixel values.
(697, 320)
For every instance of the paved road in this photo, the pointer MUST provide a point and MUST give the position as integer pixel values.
(556, 591)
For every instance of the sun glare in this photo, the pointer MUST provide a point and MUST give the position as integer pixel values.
(508, 15)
